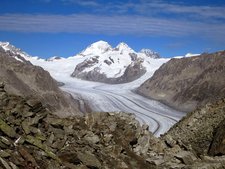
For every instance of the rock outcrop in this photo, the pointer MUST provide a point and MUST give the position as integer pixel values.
(188, 83)
(24, 79)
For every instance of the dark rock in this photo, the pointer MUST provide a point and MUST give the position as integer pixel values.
(218, 143)
(107, 62)
(133, 56)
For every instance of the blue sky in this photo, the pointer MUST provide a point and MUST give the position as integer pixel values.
(47, 28)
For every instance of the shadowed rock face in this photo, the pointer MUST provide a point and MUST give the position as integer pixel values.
(24, 79)
(188, 82)
(218, 144)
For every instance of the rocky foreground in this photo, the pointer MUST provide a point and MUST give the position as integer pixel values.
(31, 137)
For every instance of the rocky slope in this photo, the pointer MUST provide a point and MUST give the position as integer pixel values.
(112, 65)
(201, 130)
(22, 78)
(187, 83)
(31, 137)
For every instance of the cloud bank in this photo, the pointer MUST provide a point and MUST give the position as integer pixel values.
(113, 25)
(147, 18)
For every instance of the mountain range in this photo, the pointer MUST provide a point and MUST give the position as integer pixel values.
(99, 62)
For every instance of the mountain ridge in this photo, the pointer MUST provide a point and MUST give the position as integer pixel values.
(188, 82)
(27, 80)
(99, 62)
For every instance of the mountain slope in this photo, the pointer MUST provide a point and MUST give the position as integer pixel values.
(187, 83)
(197, 130)
(24, 79)
(112, 65)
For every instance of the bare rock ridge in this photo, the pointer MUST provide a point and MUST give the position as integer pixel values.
(112, 65)
(32, 137)
(187, 83)
(24, 79)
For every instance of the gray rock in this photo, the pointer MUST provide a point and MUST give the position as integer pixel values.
(91, 138)
(186, 157)
(4, 163)
(89, 159)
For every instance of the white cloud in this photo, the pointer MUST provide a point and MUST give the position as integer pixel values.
(146, 7)
(96, 24)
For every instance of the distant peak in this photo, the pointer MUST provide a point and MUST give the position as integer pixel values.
(191, 54)
(4, 43)
(12, 49)
(150, 53)
(99, 42)
(123, 46)
(146, 51)
(7, 46)
(97, 48)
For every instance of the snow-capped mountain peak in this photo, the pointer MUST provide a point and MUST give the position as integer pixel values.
(191, 54)
(124, 47)
(17, 53)
(150, 53)
(4, 45)
(99, 47)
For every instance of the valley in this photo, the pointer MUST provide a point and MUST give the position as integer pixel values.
(112, 98)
